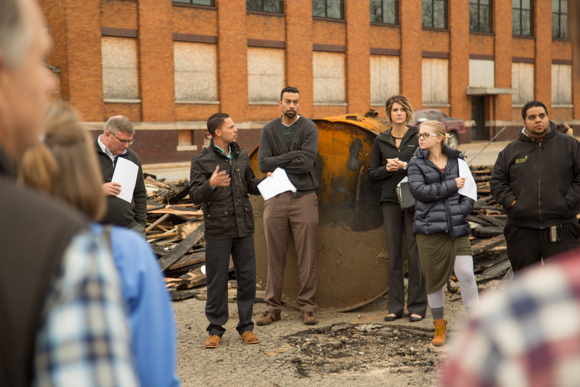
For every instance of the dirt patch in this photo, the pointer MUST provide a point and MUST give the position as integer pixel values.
(362, 348)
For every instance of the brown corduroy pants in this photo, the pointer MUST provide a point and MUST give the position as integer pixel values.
(299, 214)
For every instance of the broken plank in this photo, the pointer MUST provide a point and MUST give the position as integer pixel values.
(192, 259)
(184, 229)
(182, 248)
(173, 211)
(495, 221)
(487, 244)
(179, 295)
(487, 232)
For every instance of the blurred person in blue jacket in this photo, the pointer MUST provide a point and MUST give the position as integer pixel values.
(64, 166)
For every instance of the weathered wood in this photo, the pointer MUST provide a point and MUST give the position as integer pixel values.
(181, 211)
(182, 248)
(154, 224)
(165, 235)
(496, 222)
(478, 220)
(487, 244)
(187, 260)
(179, 295)
(483, 201)
(184, 229)
(487, 232)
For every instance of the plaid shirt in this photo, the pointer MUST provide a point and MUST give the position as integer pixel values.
(527, 335)
(84, 339)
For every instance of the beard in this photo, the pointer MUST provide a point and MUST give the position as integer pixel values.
(290, 113)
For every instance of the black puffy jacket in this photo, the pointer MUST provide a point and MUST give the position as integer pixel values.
(384, 148)
(438, 207)
(227, 210)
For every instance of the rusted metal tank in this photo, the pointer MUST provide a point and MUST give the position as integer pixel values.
(351, 255)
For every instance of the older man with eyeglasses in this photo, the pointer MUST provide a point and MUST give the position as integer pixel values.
(112, 144)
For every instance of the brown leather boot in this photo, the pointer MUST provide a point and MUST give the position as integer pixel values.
(440, 332)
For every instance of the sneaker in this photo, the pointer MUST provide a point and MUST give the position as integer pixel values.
(249, 337)
(310, 318)
(213, 341)
(268, 318)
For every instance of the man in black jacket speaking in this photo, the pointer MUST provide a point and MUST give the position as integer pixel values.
(537, 180)
(112, 144)
(221, 178)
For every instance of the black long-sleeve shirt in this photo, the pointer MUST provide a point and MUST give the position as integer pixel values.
(293, 149)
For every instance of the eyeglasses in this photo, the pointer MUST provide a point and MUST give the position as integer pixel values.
(129, 142)
(425, 135)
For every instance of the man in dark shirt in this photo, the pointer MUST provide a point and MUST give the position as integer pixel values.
(221, 179)
(536, 178)
(290, 142)
(112, 144)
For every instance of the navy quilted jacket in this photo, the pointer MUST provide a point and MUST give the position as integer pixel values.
(438, 207)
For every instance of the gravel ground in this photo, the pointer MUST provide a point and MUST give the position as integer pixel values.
(356, 348)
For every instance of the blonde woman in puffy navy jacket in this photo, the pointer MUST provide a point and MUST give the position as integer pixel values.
(440, 224)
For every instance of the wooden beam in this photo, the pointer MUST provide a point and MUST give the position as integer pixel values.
(182, 248)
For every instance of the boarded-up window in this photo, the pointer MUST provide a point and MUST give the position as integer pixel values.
(329, 82)
(481, 73)
(195, 72)
(561, 84)
(523, 83)
(120, 71)
(265, 74)
(384, 78)
(435, 81)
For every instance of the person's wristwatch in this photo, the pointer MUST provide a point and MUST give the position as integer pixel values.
(405, 165)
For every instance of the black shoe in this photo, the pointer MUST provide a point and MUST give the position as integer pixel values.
(391, 317)
(415, 319)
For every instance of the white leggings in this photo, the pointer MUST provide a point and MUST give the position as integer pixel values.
(464, 271)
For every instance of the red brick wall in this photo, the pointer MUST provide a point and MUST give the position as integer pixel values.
(76, 29)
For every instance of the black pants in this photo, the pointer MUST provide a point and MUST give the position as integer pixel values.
(217, 257)
(397, 222)
(526, 246)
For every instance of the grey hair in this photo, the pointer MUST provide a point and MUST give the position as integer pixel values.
(16, 33)
(118, 124)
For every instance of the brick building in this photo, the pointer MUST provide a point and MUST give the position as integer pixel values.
(169, 65)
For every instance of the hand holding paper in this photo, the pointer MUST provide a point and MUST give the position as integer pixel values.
(126, 175)
(276, 184)
(470, 187)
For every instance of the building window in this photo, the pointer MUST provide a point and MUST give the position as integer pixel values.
(332, 9)
(384, 78)
(435, 13)
(435, 82)
(480, 15)
(523, 17)
(328, 70)
(523, 83)
(265, 75)
(481, 73)
(197, 2)
(120, 69)
(385, 11)
(275, 6)
(195, 72)
(561, 85)
(560, 19)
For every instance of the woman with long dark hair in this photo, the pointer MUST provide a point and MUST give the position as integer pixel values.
(391, 153)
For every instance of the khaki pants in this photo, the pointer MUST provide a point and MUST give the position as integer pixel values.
(299, 214)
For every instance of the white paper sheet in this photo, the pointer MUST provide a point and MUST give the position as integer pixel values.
(405, 179)
(125, 174)
(470, 187)
(276, 184)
